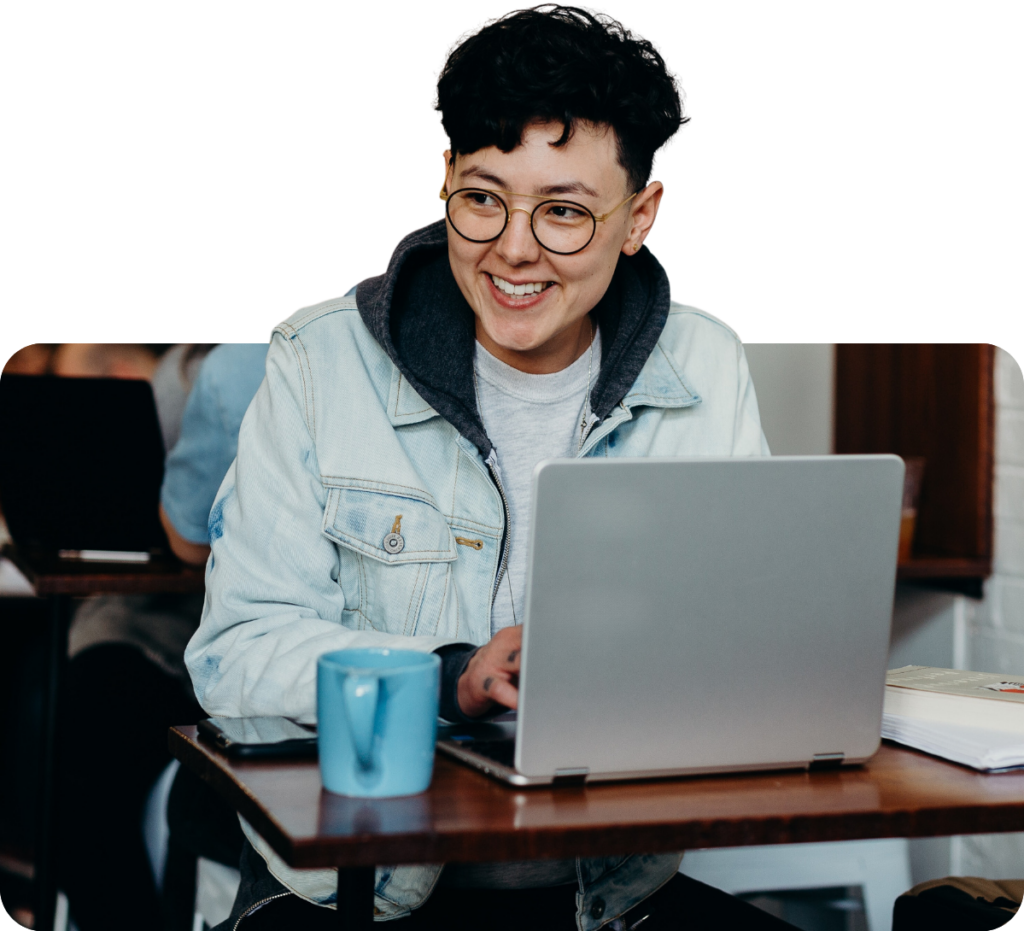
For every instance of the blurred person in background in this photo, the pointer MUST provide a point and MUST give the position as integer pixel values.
(127, 651)
(31, 360)
(21, 669)
(107, 360)
(125, 666)
(23, 648)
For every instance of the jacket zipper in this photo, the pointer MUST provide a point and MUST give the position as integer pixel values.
(259, 904)
(492, 465)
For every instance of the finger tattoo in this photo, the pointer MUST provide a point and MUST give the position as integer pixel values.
(488, 682)
(512, 656)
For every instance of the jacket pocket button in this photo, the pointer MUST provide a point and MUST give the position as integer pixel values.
(597, 908)
(394, 543)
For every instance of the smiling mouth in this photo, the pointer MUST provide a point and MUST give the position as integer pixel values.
(519, 290)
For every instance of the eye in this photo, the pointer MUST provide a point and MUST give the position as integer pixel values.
(565, 213)
(481, 199)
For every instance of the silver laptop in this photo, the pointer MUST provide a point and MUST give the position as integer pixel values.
(699, 616)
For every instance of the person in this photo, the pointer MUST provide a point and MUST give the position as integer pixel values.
(224, 387)
(126, 667)
(380, 493)
(199, 822)
(33, 359)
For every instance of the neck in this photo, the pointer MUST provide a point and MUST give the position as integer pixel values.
(556, 354)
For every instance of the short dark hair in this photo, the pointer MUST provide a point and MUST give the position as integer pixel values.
(559, 64)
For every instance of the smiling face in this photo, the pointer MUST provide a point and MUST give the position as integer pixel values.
(540, 327)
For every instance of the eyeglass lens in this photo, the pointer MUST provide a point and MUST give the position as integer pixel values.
(559, 226)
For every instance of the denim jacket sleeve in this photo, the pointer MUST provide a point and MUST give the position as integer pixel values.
(748, 437)
(274, 601)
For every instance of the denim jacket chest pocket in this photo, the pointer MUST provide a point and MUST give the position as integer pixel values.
(395, 560)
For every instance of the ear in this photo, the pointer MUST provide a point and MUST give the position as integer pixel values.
(449, 166)
(445, 162)
(642, 214)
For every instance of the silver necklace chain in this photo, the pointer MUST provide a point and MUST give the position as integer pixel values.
(583, 429)
(586, 397)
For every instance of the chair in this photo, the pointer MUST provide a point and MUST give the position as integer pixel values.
(201, 876)
(880, 867)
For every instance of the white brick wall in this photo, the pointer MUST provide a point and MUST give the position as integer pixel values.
(995, 637)
(996, 632)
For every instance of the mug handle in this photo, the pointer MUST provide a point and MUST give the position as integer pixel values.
(361, 695)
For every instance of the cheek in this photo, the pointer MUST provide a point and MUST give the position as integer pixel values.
(588, 274)
(464, 258)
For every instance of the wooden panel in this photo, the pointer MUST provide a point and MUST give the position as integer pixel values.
(466, 816)
(933, 401)
(205, 251)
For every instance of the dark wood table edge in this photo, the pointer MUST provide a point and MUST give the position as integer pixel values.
(165, 576)
(184, 747)
(354, 905)
(60, 590)
(648, 838)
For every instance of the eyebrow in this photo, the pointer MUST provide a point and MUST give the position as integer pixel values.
(564, 187)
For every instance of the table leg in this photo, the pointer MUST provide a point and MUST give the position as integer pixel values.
(355, 898)
(43, 855)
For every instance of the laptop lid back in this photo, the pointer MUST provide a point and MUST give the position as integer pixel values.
(81, 463)
(703, 615)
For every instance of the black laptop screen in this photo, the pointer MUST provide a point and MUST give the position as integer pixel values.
(81, 462)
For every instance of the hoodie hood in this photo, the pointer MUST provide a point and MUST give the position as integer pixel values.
(417, 313)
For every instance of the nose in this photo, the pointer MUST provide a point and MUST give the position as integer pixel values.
(517, 244)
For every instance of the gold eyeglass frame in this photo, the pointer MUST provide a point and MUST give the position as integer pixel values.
(597, 218)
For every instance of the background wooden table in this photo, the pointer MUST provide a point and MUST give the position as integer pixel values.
(60, 581)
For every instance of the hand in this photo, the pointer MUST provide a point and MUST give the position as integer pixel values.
(195, 554)
(492, 676)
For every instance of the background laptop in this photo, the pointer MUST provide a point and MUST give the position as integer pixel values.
(700, 615)
(81, 463)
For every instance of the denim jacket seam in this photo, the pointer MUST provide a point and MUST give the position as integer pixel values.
(370, 486)
(668, 361)
(428, 892)
(455, 479)
(366, 617)
(417, 589)
(449, 576)
(309, 415)
(398, 402)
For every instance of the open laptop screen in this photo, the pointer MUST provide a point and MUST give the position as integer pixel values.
(81, 463)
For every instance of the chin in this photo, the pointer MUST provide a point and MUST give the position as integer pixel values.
(514, 335)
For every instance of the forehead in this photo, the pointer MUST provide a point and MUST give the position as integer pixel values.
(587, 165)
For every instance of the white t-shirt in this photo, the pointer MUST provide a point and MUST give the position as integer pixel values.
(528, 418)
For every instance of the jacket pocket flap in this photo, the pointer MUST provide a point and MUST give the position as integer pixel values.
(388, 527)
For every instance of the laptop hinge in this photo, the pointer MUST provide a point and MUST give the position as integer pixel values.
(827, 760)
(570, 776)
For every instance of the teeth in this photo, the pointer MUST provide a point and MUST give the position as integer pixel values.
(531, 287)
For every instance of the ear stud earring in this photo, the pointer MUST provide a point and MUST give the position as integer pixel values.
(636, 247)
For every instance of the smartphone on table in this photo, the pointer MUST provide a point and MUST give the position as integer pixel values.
(264, 737)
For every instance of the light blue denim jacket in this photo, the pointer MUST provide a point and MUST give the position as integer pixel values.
(335, 445)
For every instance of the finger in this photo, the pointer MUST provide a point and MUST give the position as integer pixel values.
(501, 691)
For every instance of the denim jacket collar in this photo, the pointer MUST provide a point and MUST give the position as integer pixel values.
(418, 315)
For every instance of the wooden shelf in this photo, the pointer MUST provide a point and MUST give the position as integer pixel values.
(964, 576)
(933, 401)
(925, 567)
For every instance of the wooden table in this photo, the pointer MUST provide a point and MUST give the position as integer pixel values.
(60, 581)
(466, 816)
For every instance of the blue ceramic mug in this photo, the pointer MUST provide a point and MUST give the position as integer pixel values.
(377, 720)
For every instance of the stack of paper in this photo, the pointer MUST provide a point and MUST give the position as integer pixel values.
(972, 718)
(981, 749)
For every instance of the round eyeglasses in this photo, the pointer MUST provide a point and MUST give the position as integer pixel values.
(560, 226)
